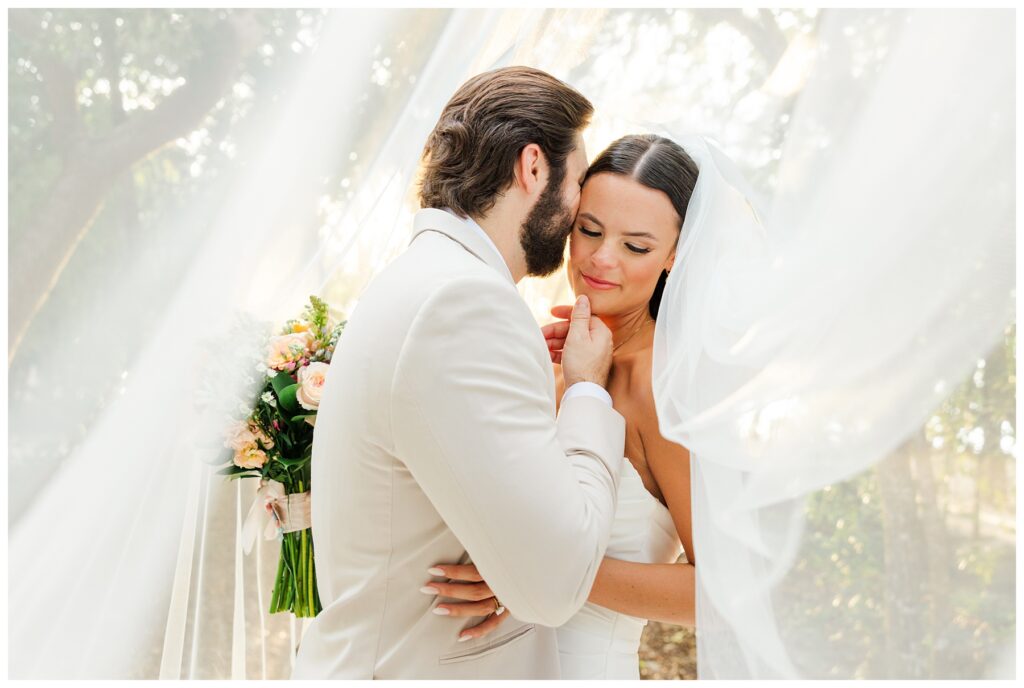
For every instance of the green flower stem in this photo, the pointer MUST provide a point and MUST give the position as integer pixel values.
(289, 589)
(301, 565)
(297, 568)
(300, 568)
(298, 551)
(282, 579)
(310, 579)
(286, 584)
(275, 597)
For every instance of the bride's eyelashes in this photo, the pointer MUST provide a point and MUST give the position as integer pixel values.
(639, 250)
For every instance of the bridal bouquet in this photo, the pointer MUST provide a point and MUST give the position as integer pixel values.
(275, 443)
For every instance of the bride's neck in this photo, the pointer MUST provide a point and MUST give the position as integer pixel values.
(628, 328)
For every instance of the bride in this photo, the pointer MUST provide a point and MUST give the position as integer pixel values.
(622, 249)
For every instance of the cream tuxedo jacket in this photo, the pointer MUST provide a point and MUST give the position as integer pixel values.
(436, 442)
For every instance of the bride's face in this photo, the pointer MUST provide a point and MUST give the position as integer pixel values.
(625, 235)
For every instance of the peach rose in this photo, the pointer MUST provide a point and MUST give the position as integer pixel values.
(240, 436)
(251, 457)
(285, 350)
(311, 384)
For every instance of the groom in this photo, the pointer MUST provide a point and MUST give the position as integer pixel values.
(436, 438)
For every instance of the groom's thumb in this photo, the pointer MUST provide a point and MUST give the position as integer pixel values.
(580, 320)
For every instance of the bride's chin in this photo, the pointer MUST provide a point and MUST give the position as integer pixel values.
(598, 301)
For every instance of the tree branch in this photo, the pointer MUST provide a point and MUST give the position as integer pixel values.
(91, 169)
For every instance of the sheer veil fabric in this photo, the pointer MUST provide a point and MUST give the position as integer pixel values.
(148, 578)
(795, 349)
(824, 302)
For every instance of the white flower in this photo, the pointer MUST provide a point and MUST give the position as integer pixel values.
(268, 398)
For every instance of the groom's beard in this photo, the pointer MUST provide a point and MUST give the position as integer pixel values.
(545, 231)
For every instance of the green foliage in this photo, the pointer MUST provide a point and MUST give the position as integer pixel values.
(281, 381)
(234, 472)
(957, 534)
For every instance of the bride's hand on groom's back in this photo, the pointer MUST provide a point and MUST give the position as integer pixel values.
(465, 583)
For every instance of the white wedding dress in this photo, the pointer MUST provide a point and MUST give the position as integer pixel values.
(598, 643)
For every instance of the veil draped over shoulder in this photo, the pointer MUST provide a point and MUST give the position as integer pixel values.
(830, 346)
(802, 342)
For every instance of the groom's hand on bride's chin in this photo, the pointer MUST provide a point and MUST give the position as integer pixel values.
(481, 599)
(587, 354)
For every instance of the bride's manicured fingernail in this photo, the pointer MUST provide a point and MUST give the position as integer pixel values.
(434, 571)
(441, 611)
(427, 590)
(499, 611)
(464, 638)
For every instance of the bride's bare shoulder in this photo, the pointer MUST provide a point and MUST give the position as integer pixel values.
(638, 374)
(633, 392)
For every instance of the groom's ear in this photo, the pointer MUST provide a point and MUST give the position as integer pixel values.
(531, 169)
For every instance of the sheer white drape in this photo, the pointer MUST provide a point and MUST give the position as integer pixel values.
(794, 358)
(127, 563)
(890, 185)
(98, 551)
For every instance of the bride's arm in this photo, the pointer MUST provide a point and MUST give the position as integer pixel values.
(661, 592)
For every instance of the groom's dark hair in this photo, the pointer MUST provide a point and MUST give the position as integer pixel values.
(469, 157)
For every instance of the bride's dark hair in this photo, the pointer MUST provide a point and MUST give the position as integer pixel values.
(657, 163)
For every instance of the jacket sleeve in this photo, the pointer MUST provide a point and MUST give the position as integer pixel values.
(531, 500)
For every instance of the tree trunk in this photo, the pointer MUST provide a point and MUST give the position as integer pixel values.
(905, 612)
(940, 553)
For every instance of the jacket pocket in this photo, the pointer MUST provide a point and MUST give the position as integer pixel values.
(494, 646)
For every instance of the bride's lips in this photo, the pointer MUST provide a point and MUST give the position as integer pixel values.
(596, 283)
